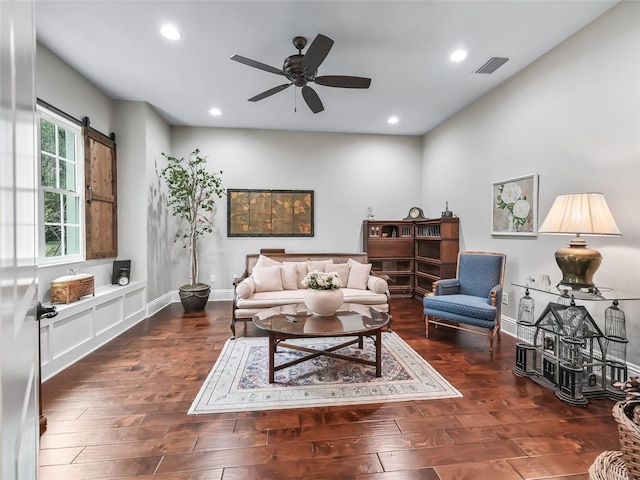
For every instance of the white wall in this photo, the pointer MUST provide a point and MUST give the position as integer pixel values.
(144, 236)
(347, 173)
(61, 86)
(132, 192)
(573, 117)
(159, 235)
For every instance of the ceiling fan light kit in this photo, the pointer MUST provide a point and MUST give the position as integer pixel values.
(301, 69)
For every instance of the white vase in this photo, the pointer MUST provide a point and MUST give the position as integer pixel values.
(323, 302)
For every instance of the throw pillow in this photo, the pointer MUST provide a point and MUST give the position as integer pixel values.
(264, 261)
(302, 271)
(245, 288)
(358, 274)
(267, 279)
(317, 264)
(342, 269)
(377, 284)
(289, 274)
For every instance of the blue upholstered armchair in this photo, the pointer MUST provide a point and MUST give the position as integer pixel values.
(473, 298)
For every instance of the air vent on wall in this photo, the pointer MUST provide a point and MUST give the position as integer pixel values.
(492, 65)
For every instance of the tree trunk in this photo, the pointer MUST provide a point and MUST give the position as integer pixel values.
(193, 274)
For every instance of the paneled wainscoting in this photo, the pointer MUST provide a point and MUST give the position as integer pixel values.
(86, 324)
(121, 412)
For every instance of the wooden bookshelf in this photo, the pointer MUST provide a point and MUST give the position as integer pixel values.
(389, 246)
(436, 244)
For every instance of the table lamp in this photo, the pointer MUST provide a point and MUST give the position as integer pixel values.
(579, 214)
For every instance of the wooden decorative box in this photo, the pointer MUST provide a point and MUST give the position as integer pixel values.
(71, 287)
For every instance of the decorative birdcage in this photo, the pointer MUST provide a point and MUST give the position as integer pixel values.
(566, 351)
(571, 370)
(526, 312)
(616, 341)
(572, 352)
(525, 351)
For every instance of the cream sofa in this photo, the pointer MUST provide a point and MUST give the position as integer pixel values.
(273, 279)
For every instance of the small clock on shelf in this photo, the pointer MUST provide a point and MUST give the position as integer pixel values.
(415, 213)
(123, 279)
(121, 273)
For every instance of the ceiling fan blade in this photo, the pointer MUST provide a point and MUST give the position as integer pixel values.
(343, 81)
(270, 92)
(255, 64)
(316, 53)
(313, 100)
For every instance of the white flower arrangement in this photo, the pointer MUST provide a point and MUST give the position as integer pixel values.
(318, 280)
(510, 198)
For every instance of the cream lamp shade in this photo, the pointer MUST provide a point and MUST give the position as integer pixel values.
(579, 214)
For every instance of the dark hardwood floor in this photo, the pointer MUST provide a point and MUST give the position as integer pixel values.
(121, 413)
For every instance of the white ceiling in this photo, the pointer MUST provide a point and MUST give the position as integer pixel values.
(403, 46)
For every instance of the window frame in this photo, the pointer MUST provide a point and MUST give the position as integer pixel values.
(59, 120)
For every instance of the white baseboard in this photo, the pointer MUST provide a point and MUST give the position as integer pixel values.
(154, 306)
(509, 326)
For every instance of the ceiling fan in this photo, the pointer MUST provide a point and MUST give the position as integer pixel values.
(301, 70)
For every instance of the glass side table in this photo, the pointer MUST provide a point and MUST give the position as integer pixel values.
(565, 350)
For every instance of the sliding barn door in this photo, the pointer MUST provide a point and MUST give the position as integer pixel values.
(101, 213)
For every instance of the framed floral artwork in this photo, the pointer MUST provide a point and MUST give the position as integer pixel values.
(514, 206)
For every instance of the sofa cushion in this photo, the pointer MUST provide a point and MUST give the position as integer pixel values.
(377, 284)
(289, 275)
(342, 269)
(302, 271)
(358, 274)
(264, 261)
(267, 279)
(462, 305)
(261, 300)
(246, 288)
(317, 264)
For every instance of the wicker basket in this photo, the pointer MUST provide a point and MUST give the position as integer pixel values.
(629, 433)
(608, 466)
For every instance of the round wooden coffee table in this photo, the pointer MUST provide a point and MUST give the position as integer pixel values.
(295, 321)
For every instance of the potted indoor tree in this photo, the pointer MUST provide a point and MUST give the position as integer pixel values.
(193, 191)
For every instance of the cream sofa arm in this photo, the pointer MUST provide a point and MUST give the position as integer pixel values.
(245, 288)
(377, 284)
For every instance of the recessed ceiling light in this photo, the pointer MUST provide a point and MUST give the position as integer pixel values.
(215, 112)
(170, 32)
(458, 55)
(393, 120)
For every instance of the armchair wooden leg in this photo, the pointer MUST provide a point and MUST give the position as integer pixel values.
(426, 323)
(491, 341)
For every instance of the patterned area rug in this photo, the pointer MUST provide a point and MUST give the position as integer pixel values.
(239, 379)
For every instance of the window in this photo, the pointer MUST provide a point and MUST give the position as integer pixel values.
(61, 195)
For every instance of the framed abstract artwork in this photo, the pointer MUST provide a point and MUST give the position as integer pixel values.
(514, 206)
(269, 213)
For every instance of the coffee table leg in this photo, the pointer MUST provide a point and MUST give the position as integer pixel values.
(378, 353)
(272, 354)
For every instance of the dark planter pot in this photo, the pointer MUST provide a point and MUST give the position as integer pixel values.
(194, 297)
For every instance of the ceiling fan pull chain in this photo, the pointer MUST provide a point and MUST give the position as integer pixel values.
(295, 100)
